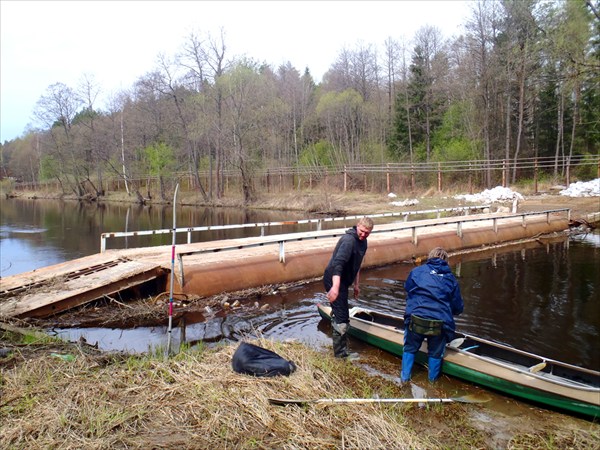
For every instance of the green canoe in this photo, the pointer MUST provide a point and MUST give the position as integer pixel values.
(555, 384)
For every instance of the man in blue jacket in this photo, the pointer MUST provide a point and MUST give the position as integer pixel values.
(343, 270)
(433, 299)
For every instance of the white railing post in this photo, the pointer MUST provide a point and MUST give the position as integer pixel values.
(282, 251)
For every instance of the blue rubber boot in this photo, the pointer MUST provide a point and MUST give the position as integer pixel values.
(435, 368)
(408, 359)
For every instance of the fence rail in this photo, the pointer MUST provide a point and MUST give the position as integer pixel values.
(524, 168)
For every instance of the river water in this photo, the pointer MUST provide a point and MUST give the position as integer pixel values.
(542, 297)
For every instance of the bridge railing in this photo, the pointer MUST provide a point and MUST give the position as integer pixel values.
(265, 226)
(414, 230)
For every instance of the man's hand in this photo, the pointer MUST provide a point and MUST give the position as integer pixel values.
(333, 293)
(356, 292)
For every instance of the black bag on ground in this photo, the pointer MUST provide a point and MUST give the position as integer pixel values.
(251, 359)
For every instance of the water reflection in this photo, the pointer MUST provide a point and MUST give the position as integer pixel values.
(40, 233)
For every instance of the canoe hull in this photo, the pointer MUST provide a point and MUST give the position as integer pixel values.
(482, 371)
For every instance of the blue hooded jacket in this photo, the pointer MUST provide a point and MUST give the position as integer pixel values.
(433, 293)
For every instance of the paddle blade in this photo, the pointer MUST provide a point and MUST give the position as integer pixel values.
(472, 398)
(456, 342)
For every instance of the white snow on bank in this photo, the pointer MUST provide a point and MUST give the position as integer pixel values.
(497, 194)
(583, 189)
(407, 202)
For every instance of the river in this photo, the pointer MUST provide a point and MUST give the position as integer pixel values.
(542, 297)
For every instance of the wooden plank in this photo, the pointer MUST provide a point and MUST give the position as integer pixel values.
(43, 274)
(75, 292)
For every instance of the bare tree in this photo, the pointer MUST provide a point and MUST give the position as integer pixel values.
(57, 110)
(392, 65)
(246, 107)
(206, 63)
(520, 50)
(482, 35)
(169, 86)
(430, 60)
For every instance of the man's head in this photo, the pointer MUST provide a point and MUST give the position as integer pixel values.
(438, 252)
(364, 228)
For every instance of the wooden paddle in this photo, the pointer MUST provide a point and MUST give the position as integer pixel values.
(330, 401)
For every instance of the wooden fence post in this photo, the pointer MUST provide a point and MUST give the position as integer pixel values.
(439, 174)
(412, 178)
(535, 177)
(470, 178)
(387, 174)
(345, 179)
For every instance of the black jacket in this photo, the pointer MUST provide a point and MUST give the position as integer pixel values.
(346, 258)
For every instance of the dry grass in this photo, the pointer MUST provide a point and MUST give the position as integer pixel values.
(194, 400)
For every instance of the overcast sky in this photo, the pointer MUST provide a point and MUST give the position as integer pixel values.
(116, 42)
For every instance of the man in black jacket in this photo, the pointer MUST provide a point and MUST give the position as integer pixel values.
(343, 270)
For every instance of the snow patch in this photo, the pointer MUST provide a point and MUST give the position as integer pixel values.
(583, 189)
(407, 202)
(497, 194)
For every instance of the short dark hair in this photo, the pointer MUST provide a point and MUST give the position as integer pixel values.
(438, 252)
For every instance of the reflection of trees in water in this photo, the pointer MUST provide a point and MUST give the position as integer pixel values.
(539, 300)
(74, 228)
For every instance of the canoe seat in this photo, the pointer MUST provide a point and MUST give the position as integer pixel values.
(536, 368)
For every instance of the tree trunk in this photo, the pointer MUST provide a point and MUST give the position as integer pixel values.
(521, 117)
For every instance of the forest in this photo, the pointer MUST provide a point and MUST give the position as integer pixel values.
(520, 81)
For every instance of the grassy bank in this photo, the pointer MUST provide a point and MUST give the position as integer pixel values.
(194, 400)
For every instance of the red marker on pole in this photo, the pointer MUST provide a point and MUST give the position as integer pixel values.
(170, 328)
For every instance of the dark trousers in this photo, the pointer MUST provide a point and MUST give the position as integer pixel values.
(340, 319)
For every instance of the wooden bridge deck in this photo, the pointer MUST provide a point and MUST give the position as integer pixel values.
(53, 289)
